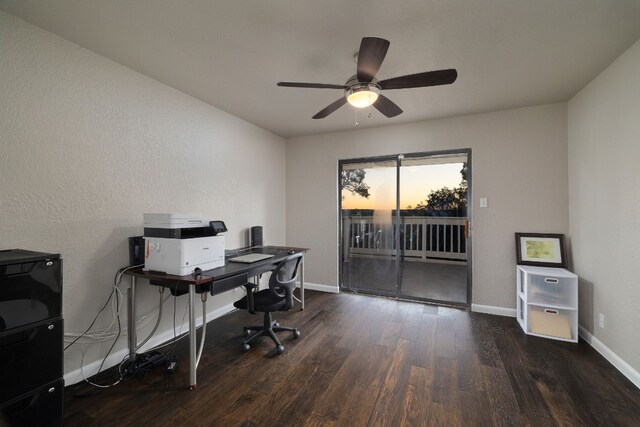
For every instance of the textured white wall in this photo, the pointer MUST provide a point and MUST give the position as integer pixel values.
(604, 189)
(87, 146)
(519, 161)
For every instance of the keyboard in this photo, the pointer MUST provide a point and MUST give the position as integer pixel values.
(249, 258)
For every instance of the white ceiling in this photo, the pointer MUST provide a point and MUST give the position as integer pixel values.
(230, 54)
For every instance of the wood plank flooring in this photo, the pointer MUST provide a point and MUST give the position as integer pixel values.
(366, 361)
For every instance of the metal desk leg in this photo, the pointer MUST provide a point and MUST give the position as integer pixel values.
(192, 337)
(302, 283)
(131, 319)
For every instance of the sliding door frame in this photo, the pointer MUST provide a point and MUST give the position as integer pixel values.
(468, 244)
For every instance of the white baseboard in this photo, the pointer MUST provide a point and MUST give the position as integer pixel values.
(319, 287)
(614, 359)
(114, 359)
(490, 309)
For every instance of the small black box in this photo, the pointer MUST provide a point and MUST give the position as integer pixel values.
(136, 250)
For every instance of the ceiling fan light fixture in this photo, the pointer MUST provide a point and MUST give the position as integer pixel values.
(362, 97)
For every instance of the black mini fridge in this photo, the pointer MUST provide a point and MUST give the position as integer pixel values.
(31, 339)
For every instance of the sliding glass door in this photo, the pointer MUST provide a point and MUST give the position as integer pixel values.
(369, 199)
(405, 226)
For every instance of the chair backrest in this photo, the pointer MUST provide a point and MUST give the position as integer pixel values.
(283, 279)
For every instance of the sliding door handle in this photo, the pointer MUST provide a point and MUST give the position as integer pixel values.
(466, 229)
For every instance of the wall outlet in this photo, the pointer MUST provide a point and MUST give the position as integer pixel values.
(484, 202)
(601, 320)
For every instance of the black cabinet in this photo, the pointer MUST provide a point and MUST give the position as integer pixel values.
(31, 338)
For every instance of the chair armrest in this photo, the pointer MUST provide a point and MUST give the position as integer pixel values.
(287, 295)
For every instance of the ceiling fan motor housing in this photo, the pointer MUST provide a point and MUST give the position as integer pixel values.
(370, 91)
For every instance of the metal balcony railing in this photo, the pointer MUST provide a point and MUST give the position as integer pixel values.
(421, 238)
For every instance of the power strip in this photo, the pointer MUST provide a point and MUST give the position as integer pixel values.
(145, 362)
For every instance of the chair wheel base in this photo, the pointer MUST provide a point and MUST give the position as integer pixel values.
(246, 347)
(280, 349)
(296, 334)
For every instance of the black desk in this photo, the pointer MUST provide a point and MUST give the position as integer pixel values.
(216, 281)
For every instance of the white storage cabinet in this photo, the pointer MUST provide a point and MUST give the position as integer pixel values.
(547, 303)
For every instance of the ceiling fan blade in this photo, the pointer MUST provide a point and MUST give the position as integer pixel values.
(387, 107)
(311, 85)
(428, 78)
(370, 56)
(331, 108)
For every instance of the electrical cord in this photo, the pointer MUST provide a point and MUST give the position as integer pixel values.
(171, 342)
(102, 335)
(105, 334)
(85, 388)
(155, 328)
(175, 340)
(105, 359)
(204, 327)
(115, 291)
(116, 308)
(95, 384)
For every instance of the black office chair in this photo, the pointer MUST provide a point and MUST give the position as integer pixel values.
(279, 297)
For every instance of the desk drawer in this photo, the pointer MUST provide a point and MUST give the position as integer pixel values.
(228, 283)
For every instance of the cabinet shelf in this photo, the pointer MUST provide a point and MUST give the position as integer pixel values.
(547, 302)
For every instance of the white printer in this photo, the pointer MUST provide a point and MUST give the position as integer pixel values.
(179, 243)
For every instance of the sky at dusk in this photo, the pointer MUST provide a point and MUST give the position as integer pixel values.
(416, 182)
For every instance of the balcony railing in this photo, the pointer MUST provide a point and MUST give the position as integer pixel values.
(421, 238)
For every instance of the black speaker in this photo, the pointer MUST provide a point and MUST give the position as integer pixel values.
(256, 236)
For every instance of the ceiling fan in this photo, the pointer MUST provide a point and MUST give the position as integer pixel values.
(363, 89)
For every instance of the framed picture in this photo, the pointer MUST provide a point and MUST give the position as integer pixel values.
(540, 249)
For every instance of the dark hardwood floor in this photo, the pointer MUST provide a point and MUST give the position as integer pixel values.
(366, 361)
